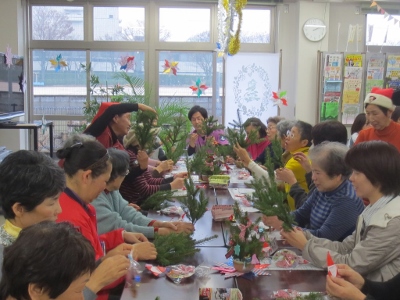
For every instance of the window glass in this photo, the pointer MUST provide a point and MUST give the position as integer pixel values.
(192, 84)
(57, 23)
(118, 24)
(196, 25)
(256, 26)
(381, 31)
(59, 82)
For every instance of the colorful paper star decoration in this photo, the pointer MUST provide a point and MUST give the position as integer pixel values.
(58, 63)
(279, 98)
(127, 63)
(198, 87)
(170, 67)
(9, 57)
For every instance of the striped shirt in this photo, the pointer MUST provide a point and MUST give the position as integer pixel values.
(331, 215)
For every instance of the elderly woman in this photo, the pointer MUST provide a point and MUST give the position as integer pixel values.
(114, 212)
(372, 249)
(197, 115)
(379, 108)
(331, 211)
(30, 273)
(34, 198)
(330, 131)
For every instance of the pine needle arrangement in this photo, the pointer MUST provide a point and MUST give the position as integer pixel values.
(210, 125)
(207, 159)
(248, 243)
(174, 248)
(267, 198)
(174, 138)
(274, 161)
(143, 127)
(158, 201)
(194, 208)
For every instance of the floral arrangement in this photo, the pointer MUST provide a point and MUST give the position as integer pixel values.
(246, 238)
(207, 160)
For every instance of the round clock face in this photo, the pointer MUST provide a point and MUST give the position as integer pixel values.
(314, 29)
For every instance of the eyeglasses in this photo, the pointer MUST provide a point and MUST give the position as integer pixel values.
(289, 134)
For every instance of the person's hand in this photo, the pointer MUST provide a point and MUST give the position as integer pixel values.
(135, 206)
(143, 159)
(181, 175)
(242, 154)
(177, 183)
(144, 251)
(165, 228)
(193, 140)
(109, 270)
(303, 160)
(342, 289)
(350, 275)
(272, 221)
(285, 175)
(296, 238)
(122, 249)
(144, 107)
(165, 166)
(134, 237)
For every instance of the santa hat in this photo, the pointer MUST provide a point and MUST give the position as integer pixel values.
(97, 126)
(380, 97)
(103, 107)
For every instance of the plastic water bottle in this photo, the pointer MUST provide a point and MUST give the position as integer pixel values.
(134, 275)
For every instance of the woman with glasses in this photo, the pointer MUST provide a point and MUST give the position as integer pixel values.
(114, 212)
(88, 170)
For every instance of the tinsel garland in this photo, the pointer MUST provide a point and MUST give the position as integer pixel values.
(229, 39)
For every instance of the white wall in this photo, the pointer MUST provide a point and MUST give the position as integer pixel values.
(11, 16)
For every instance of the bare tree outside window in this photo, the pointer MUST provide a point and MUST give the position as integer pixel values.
(136, 33)
(50, 24)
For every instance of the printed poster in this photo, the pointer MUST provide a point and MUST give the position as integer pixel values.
(375, 72)
(353, 60)
(393, 71)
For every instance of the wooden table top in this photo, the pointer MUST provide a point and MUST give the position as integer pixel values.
(260, 287)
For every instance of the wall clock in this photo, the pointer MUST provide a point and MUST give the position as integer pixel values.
(314, 29)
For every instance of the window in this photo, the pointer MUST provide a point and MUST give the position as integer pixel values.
(256, 26)
(57, 23)
(381, 31)
(184, 25)
(193, 83)
(118, 24)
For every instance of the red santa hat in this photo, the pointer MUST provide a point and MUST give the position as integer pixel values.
(380, 97)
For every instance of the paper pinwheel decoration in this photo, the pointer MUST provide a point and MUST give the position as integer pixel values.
(58, 63)
(198, 88)
(9, 57)
(170, 67)
(279, 98)
(127, 63)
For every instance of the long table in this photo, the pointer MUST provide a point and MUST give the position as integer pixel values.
(260, 287)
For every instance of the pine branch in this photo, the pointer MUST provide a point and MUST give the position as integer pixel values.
(143, 127)
(202, 241)
(194, 208)
(158, 200)
(275, 160)
(174, 138)
(174, 248)
(210, 125)
(271, 202)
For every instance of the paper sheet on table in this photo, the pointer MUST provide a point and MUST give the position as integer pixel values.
(300, 267)
(236, 180)
(238, 194)
(248, 209)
